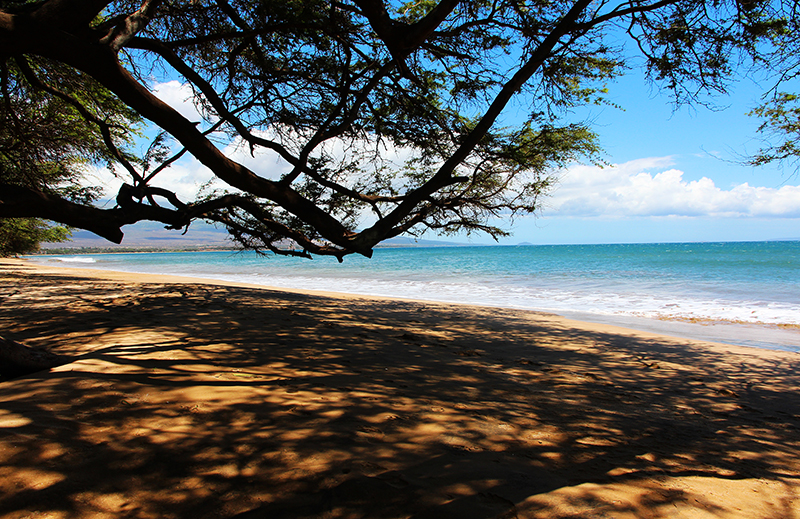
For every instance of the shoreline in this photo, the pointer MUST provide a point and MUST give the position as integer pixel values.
(761, 335)
(194, 399)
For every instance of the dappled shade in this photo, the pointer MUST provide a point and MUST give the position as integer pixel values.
(192, 400)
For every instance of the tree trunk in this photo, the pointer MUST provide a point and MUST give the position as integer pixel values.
(17, 360)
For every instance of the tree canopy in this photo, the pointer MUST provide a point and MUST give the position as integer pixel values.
(390, 116)
(24, 235)
(47, 135)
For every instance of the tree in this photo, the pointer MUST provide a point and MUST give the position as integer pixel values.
(392, 117)
(45, 142)
(23, 235)
(781, 120)
(47, 137)
(780, 111)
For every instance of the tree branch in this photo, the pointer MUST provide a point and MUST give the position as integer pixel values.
(21, 202)
(105, 129)
(123, 32)
(64, 14)
(443, 176)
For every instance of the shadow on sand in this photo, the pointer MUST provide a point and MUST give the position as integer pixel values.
(207, 401)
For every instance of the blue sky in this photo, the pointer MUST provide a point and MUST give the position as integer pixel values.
(674, 175)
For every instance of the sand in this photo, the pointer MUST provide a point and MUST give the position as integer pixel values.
(190, 399)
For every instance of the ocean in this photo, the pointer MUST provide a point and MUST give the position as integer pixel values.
(745, 293)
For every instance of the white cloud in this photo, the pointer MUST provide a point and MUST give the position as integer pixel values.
(180, 97)
(184, 179)
(648, 187)
(263, 162)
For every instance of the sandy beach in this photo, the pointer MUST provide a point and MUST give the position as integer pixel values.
(185, 398)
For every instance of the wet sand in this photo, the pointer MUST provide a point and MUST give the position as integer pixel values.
(187, 398)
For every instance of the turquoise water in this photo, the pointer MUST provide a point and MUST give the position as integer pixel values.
(646, 286)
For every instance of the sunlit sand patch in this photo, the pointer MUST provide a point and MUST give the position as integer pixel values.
(691, 497)
(33, 479)
(12, 420)
(596, 442)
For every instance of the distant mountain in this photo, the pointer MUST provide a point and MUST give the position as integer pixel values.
(149, 235)
(146, 235)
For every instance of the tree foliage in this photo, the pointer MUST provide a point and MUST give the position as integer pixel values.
(393, 117)
(48, 135)
(24, 235)
(781, 122)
